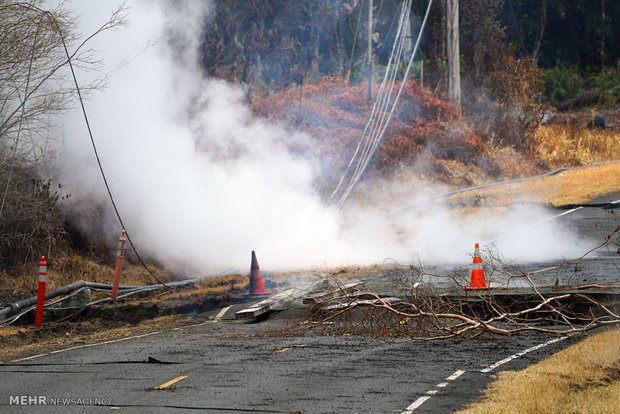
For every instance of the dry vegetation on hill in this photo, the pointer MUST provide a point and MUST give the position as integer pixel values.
(427, 132)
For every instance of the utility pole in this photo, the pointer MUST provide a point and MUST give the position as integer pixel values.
(452, 38)
(602, 34)
(369, 51)
(542, 20)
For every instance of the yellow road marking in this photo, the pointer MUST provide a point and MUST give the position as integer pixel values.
(169, 383)
(543, 270)
(288, 349)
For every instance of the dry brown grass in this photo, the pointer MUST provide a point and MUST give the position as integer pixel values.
(514, 164)
(12, 330)
(567, 145)
(216, 284)
(584, 378)
(462, 174)
(568, 187)
(554, 146)
(71, 268)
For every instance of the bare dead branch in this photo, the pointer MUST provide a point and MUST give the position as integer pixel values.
(421, 313)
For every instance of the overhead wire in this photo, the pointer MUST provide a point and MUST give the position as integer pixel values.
(380, 115)
(387, 36)
(92, 140)
(380, 98)
(493, 184)
(363, 163)
(381, 101)
(386, 92)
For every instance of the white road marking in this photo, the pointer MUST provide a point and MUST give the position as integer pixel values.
(520, 354)
(458, 373)
(221, 313)
(86, 346)
(416, 404)
(455, 375)
(112, 341)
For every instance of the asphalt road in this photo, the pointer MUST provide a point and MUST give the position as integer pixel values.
(220, 366)
(341, 374)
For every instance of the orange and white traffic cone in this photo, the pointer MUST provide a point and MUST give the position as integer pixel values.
(256, 279)
(477, 272)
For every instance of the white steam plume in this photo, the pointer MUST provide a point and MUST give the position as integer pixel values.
(200, 182)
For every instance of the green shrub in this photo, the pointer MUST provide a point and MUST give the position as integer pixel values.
(561, 83)
(607, 81)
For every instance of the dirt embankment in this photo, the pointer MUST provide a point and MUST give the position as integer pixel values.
(158, 310)
(142, 313)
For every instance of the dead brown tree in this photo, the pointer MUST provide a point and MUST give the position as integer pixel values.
(35, 85)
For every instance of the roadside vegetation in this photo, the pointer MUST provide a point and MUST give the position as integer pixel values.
(567, 144)
(35, 87)
(299, 66)
(568, 187)
(530, 87)
(583, 378)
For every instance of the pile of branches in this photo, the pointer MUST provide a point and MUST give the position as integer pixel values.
(421, 312)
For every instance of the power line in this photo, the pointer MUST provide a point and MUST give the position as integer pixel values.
(92, 140)
(380, 101)
(379, 119)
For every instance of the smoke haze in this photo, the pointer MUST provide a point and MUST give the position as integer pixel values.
(200, 182)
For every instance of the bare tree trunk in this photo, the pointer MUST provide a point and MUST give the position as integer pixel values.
(408, 47)
(249, 75)
(369, 57)
(314, 65)
(422, 72)
(478, 62)
(452, 38)
(541, 28)
(339, 31)
(602, 34)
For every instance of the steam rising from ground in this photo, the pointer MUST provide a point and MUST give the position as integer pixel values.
(200, 182)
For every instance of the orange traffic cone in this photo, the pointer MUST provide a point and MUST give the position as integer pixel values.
(477, 272)
(256, 279)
